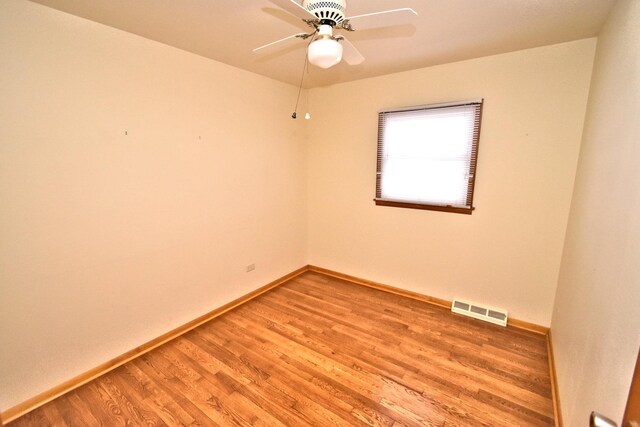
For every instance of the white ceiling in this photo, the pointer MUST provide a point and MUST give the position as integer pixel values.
(445, 31)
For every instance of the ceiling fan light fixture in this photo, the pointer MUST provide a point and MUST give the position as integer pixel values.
(325, 52)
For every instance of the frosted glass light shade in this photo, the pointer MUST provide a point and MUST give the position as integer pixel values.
(325, 53)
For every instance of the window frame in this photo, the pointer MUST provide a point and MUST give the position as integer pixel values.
(475, 143)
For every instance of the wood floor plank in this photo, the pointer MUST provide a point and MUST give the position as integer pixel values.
(94, 401)
(170, 387)
(167, 409)
(320, 351)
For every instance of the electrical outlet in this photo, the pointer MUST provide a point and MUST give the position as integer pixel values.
(251, 267)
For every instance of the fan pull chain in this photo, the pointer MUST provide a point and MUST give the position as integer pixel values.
(304, 71)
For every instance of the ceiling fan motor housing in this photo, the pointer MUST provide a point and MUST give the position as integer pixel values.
(328, 12)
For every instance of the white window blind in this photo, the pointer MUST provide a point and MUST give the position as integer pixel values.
(428, 155)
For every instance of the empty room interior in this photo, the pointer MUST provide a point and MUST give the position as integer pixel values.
(346, 212)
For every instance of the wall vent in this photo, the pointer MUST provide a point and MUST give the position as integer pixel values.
(488, 314)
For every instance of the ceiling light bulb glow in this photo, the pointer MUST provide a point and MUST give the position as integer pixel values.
(325, 53)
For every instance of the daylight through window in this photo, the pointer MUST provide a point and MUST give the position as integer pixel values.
(427, 156)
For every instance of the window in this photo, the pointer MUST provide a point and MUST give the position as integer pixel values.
(427, 156)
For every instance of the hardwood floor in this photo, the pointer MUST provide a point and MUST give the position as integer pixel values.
(319, 351)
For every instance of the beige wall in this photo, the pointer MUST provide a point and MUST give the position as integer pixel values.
(108, 240)
(596, 322)
(508, 252)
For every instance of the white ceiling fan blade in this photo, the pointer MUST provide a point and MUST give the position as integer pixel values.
(294, 8)
(350, 54)
(277, 43)
(385, 18)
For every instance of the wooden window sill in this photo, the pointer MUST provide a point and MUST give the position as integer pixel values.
(409, 205)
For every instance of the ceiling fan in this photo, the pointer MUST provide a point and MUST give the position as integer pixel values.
(326, 49)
